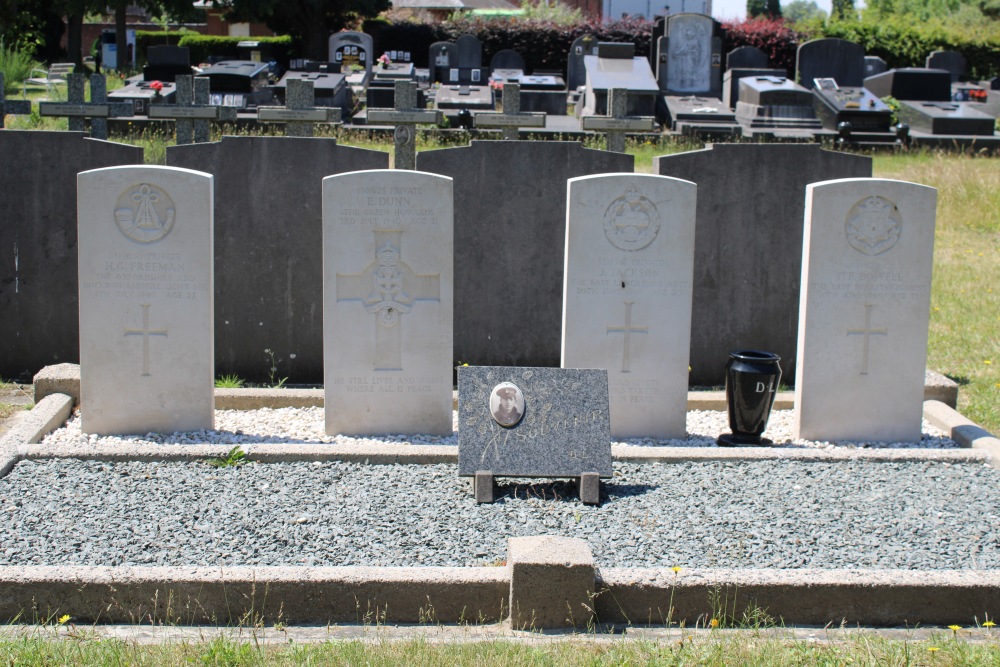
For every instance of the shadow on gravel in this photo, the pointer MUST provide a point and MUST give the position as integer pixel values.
(563, 490)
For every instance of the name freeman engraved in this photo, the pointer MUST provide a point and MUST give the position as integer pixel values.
(144, 275)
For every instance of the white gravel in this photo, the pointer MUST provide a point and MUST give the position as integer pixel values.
(305, 426)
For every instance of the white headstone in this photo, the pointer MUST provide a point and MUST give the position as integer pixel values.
(147, 361)
(627, 295)
(864, 310)
(388, 295)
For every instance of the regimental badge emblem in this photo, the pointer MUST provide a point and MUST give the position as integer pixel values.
(145, 213)
(873, 225)
(631, 221)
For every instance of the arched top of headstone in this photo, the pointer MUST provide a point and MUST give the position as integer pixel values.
(952, 61)
(441, 55)
(874, 65)
(576, 72)
(830, 57)
(351, 48)
(746, 57)
(470, 52)
(507, 59)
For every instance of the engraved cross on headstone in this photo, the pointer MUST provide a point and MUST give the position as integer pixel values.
(511, 120)
(405, 117)
(18, 107)
(145, 332)
(867, 332)
(628, 330)
(617, 122)
(97, 110)
(192, 112)
(388, 288)
(300, 110)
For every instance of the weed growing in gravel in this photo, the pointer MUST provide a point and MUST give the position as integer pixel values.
(229, 382)
(234, 459)
(272, 372)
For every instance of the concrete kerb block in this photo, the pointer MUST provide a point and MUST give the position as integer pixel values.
(551, 582)
(48, 414)
(58, 379)
(962, 430)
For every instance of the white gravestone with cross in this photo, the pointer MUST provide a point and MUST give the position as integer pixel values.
(864, 310)
(387, 302)
(146, 300)
(627, 295)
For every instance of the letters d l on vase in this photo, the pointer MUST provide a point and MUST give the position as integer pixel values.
(751, 382)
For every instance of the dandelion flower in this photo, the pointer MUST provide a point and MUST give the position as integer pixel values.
(63, 619)
(676, 569)
(714, 623)
(989, 624)
(954, 628)
(933, 648)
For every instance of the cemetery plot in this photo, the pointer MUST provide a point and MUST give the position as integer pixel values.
(146, 300)
(387, 302)
(627, 295)
(775, 103)
(864, 310)
(615, 66)
(856, 106)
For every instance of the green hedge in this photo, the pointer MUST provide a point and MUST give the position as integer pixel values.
(898, 40)
(901, 42)
(203, 46)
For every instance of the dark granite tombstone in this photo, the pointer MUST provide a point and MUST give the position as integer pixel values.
(952, 62)
(556, 424)
(993, 84)
(731, 82)
(539, 92)
(268, 248)
(507, 59)
(11, 107)
(469, 52)
(947, 118)
(690, 56)
(746, 57)
(39, 314)
(381, 87)
(510, 197)
(576, 73)
(241, 84)
(166, 63)
(857, 107)
(351, 50)
(775, 102)
(830, 58)
(748, 245)
(440, 58)
(874, 65)
(912, 83)
(330, 89)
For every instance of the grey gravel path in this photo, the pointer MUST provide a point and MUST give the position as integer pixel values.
(915, 515)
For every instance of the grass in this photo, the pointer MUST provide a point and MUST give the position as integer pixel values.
(79, 647)
(964, 341)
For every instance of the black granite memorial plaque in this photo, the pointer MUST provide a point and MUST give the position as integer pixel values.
(563, 427)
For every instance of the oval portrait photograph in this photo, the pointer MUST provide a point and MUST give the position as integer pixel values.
(507, 404)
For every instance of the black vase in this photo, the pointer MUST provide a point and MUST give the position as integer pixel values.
(751, 381)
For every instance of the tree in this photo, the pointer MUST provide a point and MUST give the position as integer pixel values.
(308, 21)
(803, 10)
(756, 8)
(774, 9)
(843, 9)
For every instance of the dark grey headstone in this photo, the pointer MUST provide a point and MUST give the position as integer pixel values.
(351, 48)
(731, 82)
(564, 430)
(168, 55)
(470, 52)
(616, 50)
(441, 56)
(510, 199)
(746, 57)
(507, 59)
(268, 247)
(748, 245)
(912, 83)
(951, 61)
(994, 83)
(874, 65)
(773, 91)
(39, 314)
(576, 74)
(830, 58)
(947, 118)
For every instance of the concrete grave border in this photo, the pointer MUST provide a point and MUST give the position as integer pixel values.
(552, 582)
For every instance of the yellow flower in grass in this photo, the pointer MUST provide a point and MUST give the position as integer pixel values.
(933, 648)
(676, 569)
(714, 623)
(989, 624)
(64, 619)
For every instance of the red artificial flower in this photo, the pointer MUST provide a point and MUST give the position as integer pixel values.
(156, 85)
